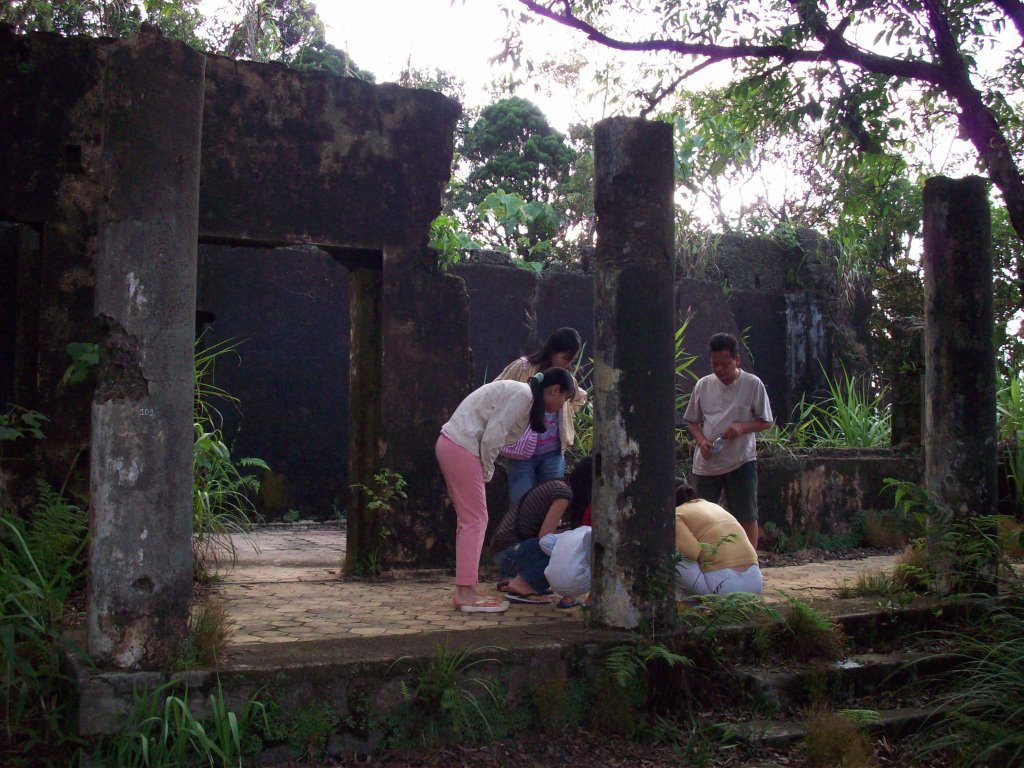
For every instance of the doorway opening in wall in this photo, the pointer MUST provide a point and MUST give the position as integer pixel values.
(294, 336)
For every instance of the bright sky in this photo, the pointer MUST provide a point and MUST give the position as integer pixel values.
(460, 37)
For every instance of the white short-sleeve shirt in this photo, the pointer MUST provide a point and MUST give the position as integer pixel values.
(715, 406)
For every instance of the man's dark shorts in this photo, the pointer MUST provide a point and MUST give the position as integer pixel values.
(739, 486)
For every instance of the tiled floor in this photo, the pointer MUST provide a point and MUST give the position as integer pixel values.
(291, 590)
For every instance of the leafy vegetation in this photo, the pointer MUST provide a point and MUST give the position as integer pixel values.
(847, 418)
(445, 701)
(38, 571)
(162, 731)
(222, 506)
(1010, 411)
(289, 31)
(382, 495)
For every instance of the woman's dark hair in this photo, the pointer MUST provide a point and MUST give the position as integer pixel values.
(581, 481)
(684, 492)
(562, 340)
(538, 382)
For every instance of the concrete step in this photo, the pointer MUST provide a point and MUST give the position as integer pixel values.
(779, 734)
(841, 682)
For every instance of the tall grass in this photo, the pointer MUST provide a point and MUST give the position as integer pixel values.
(162, 732)
(848, 417)
(40, 566)
(222, 487)
(1010, 413)
(985, 721)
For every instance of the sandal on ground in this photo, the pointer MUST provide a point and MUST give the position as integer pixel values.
(484, 605)
(502, 586)
(569, 602)
(529, 599)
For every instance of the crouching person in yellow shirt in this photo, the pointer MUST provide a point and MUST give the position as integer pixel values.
(718, 557)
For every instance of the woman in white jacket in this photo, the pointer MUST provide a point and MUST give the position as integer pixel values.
(492, 416)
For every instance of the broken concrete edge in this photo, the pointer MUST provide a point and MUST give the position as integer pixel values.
(351, 675)
(778, 735)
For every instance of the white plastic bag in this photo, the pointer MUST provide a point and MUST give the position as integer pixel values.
(568, 571)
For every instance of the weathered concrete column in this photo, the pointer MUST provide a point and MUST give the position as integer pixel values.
(364, 526)
(427, 370)
(634, 298)
(960, 377)
(906, 371)
(140, 556)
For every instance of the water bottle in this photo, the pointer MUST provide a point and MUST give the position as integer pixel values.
(718, 445)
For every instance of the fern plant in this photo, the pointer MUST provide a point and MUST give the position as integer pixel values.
(439, 692)
(40, 565)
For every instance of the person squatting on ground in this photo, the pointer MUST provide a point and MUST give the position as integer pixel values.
(543, 510)
(718, 556)
(539, 454)
(730, 404)
(490, 417)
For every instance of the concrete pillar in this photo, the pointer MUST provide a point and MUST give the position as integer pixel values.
(427, 370)
(906, 372)
(364, 545)
(960, 377)
(140, 557)
(634, 375)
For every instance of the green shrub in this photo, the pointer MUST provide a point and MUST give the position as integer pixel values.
(40, 566)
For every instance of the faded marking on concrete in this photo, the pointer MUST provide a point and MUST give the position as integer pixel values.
(136, 296)
(127, 476)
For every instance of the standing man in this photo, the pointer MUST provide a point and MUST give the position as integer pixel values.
(732, 405)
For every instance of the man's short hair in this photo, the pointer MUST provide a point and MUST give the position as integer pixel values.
(724, 341)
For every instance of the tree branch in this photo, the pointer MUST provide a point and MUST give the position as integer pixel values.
(1015, 10)
(976, 120)
(949, 73)
(835, 50)
(657, 98)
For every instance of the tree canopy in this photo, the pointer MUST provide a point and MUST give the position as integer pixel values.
(877, 71)
(289, 31)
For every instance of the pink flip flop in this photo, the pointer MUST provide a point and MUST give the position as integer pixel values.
(484, 605)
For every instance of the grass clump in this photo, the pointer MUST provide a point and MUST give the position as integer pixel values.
(835, 740)
(162, 731)
(210, 629)
(806, 633)
(985, 722)
(222, 487)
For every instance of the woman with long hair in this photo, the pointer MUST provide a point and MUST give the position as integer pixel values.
(539, 454)
(494, 415)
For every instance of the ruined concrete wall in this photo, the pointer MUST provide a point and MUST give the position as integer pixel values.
(51, 143)
(292, 156)
(823, 492)
(288, 308)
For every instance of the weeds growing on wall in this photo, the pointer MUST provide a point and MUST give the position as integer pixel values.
(222, 487)
(583, 419)
(384, 493)
(965, 552)
(40, 566)
(161, 731)
(848, 417)
(445, 702)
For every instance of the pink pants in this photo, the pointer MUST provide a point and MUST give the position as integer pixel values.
(464, 476)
